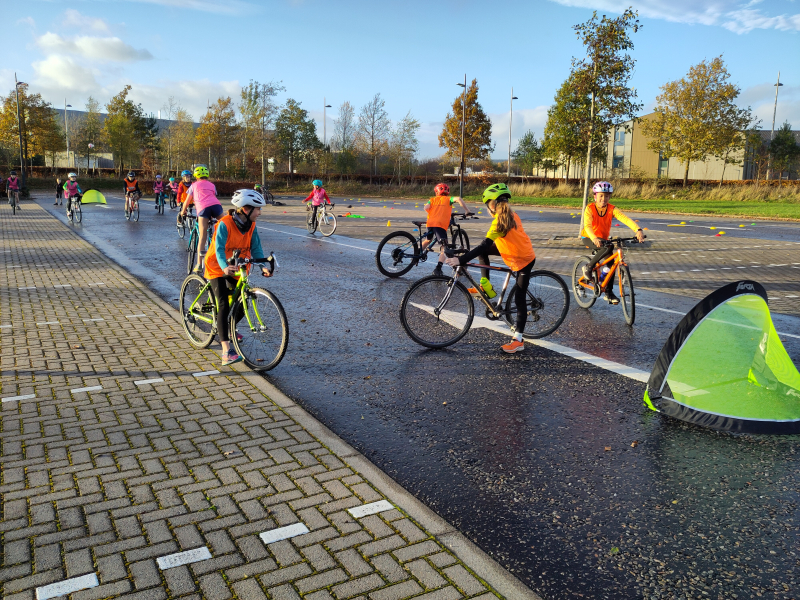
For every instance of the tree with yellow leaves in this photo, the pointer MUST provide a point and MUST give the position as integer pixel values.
(477, 128)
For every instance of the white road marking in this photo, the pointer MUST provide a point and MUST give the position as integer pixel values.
(30, 287)
(146, 381)
(93, 388)
(317, 239)
(370, 509)
(48, 323)
(134, 316)
(17, 398)
(68, 586)
(204, 373)
(283, 533)
(63, 285)
(91, 284)
(86, 320)
(5, 326)
(183, 558)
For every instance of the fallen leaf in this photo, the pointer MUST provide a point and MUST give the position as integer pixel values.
(78, 347)
(634, 443)
(302, 320)
(608, 448)
(444, 403)
(674, 501)
(368, 377)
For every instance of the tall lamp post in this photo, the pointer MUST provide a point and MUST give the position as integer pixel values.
(19, 130)
(510, 121)
(66, 128)
(463, 125)
(772, 133)
(325, 107)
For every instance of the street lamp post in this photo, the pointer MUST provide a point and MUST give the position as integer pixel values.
(463, 125)
(19, 130)
(66, 129)
(772, 133)
(325, 106)
(510, 121)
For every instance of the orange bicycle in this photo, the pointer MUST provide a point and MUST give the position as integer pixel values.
(586, 292)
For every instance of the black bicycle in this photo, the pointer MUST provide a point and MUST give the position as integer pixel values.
(400, 251)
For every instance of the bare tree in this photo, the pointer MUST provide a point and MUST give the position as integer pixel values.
(258, 110)
(404, 144)
(373, 130)
(344, 128)
(170, 109)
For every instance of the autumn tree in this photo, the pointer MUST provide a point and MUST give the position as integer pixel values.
(373, 130)
(218, 133)
(182, 136)
(258, 110)
(731, 136)
(122, 126)
(603, 78)
(88, 131)
(39, 128)
(344, 138)
(528, 153)
(403, 143)
(756, 153)
(567, 125)
(296, 132)
(477, 128)
(691, 111)
(169, 110)
(784, 149)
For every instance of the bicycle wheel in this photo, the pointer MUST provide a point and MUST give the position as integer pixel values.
(77, 214)
(191, 253)
(68, 210)
(198, 311)
(181, 229)
(397, 254)
(13, 201)
(269, 197)
(263, 327)
(327, 224)
(547, 304)
(583, 296)
(420, 303)
(135, 211)
(311, 225)
(626, 296)
(461, 240)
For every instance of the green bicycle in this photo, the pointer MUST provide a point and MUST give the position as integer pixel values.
(258, 325)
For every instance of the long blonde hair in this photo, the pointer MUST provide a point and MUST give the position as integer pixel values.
(504, 217)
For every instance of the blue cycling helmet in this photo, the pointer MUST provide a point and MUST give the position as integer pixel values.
(185, 172)
(317, 182)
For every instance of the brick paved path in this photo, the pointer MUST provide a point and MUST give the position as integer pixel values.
(115, 456)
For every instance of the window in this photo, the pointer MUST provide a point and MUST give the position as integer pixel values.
(619, 137)
(663, 166)
(619, 162)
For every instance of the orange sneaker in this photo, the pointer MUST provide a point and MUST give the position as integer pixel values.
(512, 347)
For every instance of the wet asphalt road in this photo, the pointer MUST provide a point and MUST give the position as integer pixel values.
(513, 449)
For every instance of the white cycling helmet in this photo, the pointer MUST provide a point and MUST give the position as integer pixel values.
(72, 175)
(602, 186)
(242, 198)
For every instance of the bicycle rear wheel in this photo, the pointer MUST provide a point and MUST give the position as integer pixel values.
(263, 327)
(13, 201)
(461, 240)
(135, 211)
(547, 302)
(198, 311)
(397, 254)
(327, 224)
(311, 225)
(437, 293)
(626, 296)
(191, 253)
(583, 296)
(77, 213)
(181, 229)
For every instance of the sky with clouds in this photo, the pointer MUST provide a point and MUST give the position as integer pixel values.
(412, 51)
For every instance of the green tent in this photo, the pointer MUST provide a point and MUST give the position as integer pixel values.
(725, 367)
(90, 196)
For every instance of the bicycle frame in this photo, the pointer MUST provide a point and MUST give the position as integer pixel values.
(242, 286)
(494, 308)
(454, 229)
(617, 258)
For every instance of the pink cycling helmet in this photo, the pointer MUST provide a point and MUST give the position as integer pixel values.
(602, 186)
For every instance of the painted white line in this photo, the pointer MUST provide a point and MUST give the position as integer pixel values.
(5, 326)
(283, 533)
(146, 381)
(86, 320)
(92, 388)
(674, 312)
(91, 284)
(68, 586)
(134, 316)
(17, 398)
(204, 373)
(14, 266)
(183, 558)
(48, 323)
(63, 285)
(370, 509)
(317, 239)
(30, 287)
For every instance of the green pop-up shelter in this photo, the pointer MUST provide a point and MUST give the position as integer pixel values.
(725, 367)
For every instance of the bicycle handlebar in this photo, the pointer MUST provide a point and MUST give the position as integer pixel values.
(271, 261)
(464, 216)
(619, 240)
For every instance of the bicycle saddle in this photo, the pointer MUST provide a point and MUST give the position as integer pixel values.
(419, 223)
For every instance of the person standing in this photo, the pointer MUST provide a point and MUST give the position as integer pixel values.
(59, 192)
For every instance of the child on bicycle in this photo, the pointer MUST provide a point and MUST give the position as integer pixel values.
(132, 191)
(317, 196)
(173, 189)
(235, 231)
(13, 186)
(439, 209)
(72, 190)
(597, 226)
(203, 194)
(183, 187)
(508, 239)
(158, 188)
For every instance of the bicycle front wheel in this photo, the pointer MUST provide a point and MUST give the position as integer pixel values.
(437, 311)
(546, 302)
(181, 229)
(626, 295)
(198, 311)
(397, 254)
(264, 329)
(77, 213)
(135, 211)
(461, 240)
(585, 297)
(327, 224)
(13, 202)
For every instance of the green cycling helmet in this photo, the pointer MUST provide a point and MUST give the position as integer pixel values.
(496, 191)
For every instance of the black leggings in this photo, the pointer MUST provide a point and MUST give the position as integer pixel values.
(520, 294)
(600, 255)
(222, 286)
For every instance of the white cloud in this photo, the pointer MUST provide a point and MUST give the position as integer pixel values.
(27, 21)
(61, 74)
(192, 95)
(72, 18)
(95, 48)
(734, 15)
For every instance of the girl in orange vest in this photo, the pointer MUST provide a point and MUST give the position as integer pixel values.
(439, 209)
(597, 226)
(508, 239)
(235, 231)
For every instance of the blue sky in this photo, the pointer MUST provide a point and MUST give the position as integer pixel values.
(413, 52)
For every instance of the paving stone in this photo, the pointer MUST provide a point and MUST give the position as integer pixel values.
(145, 574)
(389, 568)
(214, 587)
(425, 574)
(284, 592)
(358, 586)
(464, 580)
(398, 591)
(322, 580)
(352, 561)
(179, 580)
(249, 590)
